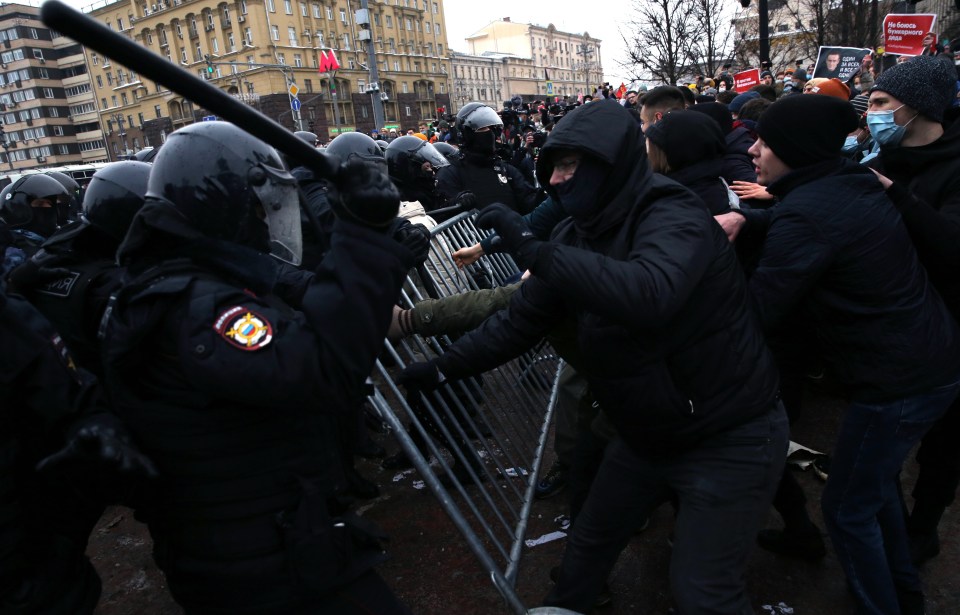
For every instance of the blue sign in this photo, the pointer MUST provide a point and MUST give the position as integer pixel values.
(295, 104)
(209, 118)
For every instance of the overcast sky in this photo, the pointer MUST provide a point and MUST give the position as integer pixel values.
(464, 17)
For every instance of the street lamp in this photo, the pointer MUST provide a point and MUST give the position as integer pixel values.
(118, 118)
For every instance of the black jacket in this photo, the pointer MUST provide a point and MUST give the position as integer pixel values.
(703, 179)
(667, 340)
(926, 190)
(234, 392)
(837, 247)
(737, 163)
(489, 178)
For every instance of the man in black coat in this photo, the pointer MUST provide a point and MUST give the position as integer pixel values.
(670, 351)
(235, 390)
(921, 173)
(837, 247)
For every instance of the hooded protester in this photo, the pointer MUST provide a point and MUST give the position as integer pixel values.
(689, 148)
(660, 311)
(919, 163)
(837, 246)
(737, 163)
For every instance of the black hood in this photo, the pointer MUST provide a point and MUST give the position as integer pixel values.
(607, 132)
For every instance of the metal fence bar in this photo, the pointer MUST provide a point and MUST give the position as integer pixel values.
(492, 429)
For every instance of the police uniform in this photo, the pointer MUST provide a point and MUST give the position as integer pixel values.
(489, 178)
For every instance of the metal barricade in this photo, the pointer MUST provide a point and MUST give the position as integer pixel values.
(487, 435)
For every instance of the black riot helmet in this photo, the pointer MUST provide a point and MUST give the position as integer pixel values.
(349, 145)
(227, 183)
(307, 136)
(407, 163)
(474, 117)
(65, 180)
(114, 196)
(33, 203)
(382, 144)
(446, 150)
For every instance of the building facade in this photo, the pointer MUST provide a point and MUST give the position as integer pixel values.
(539, 61)
(46, 102)
(257, 49)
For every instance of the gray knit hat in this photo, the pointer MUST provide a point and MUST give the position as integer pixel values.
(925, 83)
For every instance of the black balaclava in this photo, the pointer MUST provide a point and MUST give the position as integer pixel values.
(43, 221)
(483, 143)
(580, 195)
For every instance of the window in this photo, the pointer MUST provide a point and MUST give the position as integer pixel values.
(288, 7)
(37, 54)
(214, 45)
(34, 34)
(183, 56)
(409, 24)
(104, 104)
(316, 11)
(99, 82)
(292, 36)
(343, 15)
(376, 19)
(149, 37)
(297, 60)
(303, 9)
(231, 44)
(346, 41)
(48, 92)
(351, 64)
(197, 53)
(406, 109)
(179, 29)
(156, 109)
(248, 36)
(404, 88)
(275, 32)
(329, 13)
(63, 149)
(243, 10)
(271, 6)
(436, 9)
(140, 119)
(226, 14)
(396, 65)
(361, 86)
(389, 21)
(308, 85)
(109, 76)
(281, 59)
(426, 27)
(123, 99)
(113, 99)
(439, 49)
(436, 29)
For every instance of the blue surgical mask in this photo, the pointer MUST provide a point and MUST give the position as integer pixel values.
(884, 129)
(850, 145)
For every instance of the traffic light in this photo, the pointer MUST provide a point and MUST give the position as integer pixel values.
(209, 64)
(333, 86)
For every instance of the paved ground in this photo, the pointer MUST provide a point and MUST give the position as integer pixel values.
(434, 572)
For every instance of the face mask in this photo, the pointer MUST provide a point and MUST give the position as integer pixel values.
(884, 129)
(43, 221)
(850, 145)
(484, 143)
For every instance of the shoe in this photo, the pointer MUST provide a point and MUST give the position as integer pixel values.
(551, 484)
(604, 598)
(801, 545)
(821, 466)
(923, 547)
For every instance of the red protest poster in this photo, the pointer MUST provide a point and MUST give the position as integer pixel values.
(744, 80)
(903, 33)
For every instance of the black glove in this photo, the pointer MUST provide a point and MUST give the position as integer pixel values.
(102, 439)
(466, 200)
(420, 378)
(367, 196)
(415, 238)
(515, 235)
(34, 273)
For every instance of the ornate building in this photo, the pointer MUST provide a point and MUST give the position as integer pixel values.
(257, 49)
(537, 62)
(46, 103)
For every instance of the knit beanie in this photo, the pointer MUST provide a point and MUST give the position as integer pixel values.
(687, 137)
(860, 103)
(805, 130)
(925, 83)
(832, 87)
(800, 74)
(719, 112)
(741, 100)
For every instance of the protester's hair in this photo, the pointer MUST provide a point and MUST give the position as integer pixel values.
(657, 158)
(766, 91)
(664, 98)
(753, 109)
(689, 98)
(726, 97)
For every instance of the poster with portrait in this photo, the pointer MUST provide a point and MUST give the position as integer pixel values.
(840, 62)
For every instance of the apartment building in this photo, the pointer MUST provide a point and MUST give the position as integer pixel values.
(537, 61)
(256, 49)
(46, 103)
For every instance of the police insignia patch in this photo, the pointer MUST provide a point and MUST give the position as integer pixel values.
(244, 328)
(503, 178)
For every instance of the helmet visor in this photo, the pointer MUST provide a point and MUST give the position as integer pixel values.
(434, 157)
(281, 206)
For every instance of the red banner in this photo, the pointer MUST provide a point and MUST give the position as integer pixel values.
(744, 80)
(903, 34)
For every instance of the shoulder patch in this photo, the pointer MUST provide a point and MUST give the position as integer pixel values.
(244, 329)
(60, 287)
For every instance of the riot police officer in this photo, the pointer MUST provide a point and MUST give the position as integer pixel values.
(32, 209)
(479, 177)
(83, 258)
(234, 390)
(413, 165)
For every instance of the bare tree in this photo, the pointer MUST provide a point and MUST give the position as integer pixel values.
(712, 36)
(658, 39)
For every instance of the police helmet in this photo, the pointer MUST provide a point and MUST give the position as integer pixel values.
(446, 150)
(114, 196)
(18, 199)
(406, 157)
(307, 136)
(473, 117)
(349, 145)
(224, 182)
(65, 180)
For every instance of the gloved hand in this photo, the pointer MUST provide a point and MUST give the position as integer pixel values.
(101, 438)
(466, 200)
(33, 273)
(367, 196)
(515, 235)
(414, 237)
(420, 378)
